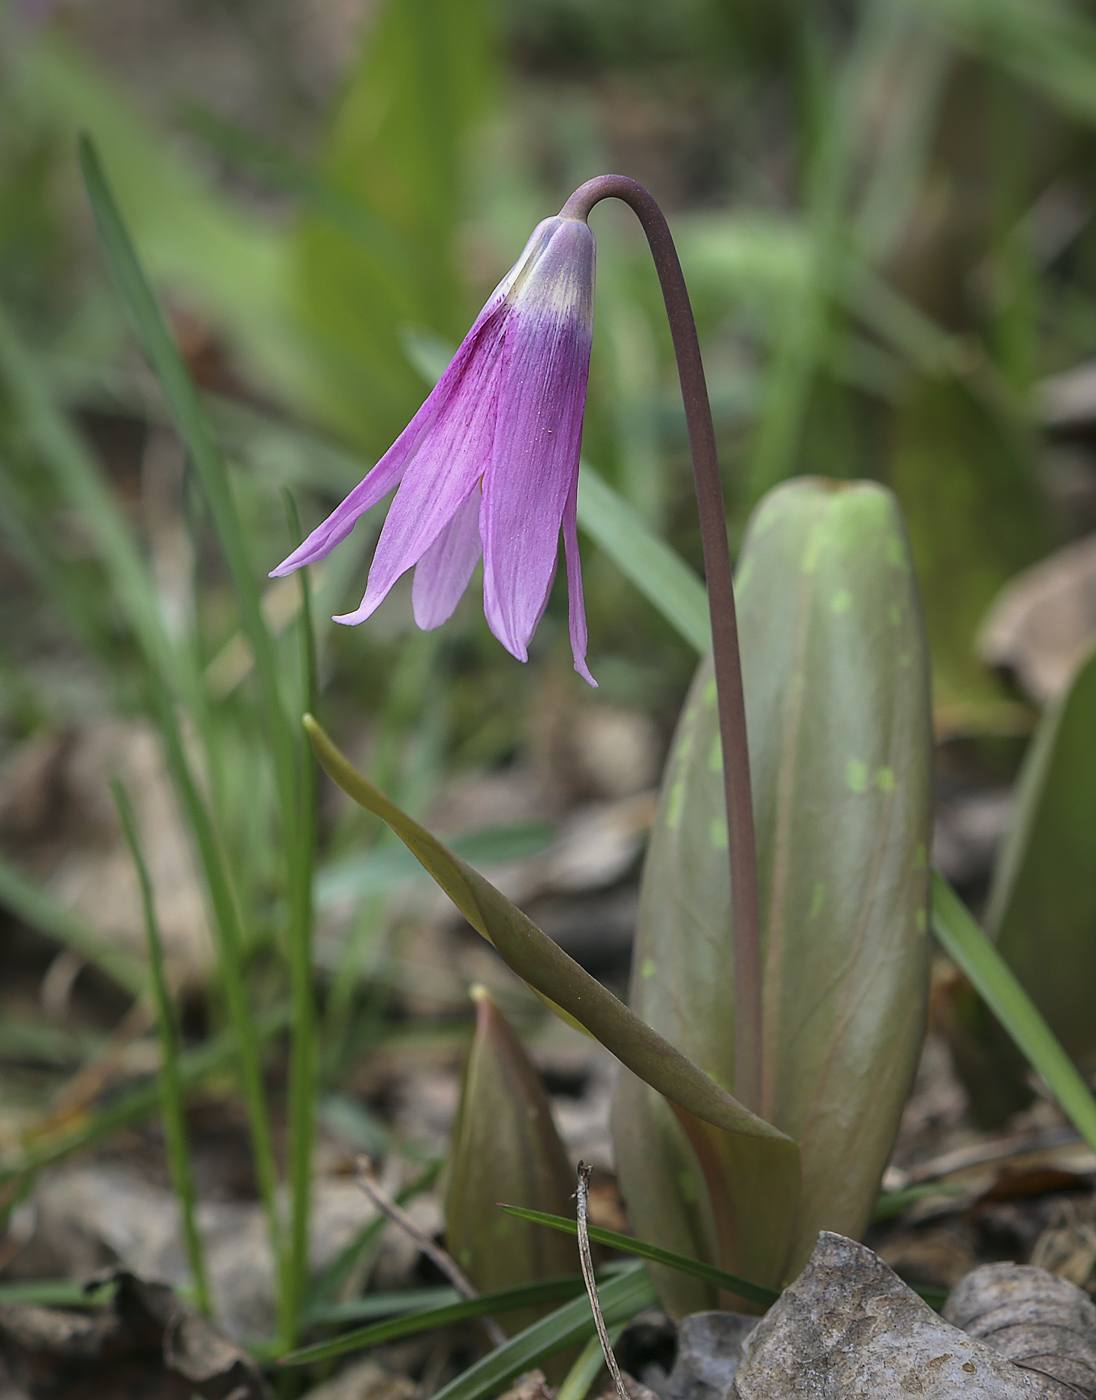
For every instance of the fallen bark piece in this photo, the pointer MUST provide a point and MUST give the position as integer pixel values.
(1039, 1321)
(145, 1345)
(849, 1328)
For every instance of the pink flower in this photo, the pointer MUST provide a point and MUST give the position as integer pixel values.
(489, 464)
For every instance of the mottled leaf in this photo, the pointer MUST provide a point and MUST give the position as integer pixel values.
(835, 677)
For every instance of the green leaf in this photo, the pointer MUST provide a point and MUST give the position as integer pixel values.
(547, 968)
(1041, 912)
(504, 1144)
(660, 575)
(425, 1319)
(642, 1250)
(967, 946)
(836, 687)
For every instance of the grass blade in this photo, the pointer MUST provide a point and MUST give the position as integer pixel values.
(171, 371)
(581, 1376)
(423, 1319)
(756, 1292)
(966, 944)
(171, 1087)
(303, 1051)
(621, 1300)
(376, 1305)
(53, 1293)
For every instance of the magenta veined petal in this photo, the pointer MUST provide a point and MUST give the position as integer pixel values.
(490, 461)
(442, 574)
(538, 434)
(389, 470)
(441, 475)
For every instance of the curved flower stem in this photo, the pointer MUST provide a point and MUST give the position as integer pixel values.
(745, 917)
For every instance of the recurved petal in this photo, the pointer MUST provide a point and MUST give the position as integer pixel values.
(538, 433)
(390, 469)
(442, 574)
(443, 473)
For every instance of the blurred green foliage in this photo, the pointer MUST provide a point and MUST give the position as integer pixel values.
(885, 214)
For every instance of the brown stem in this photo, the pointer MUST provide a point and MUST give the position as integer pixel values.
(745, 919)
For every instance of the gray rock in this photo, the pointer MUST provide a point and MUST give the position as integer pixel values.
(709, 1349)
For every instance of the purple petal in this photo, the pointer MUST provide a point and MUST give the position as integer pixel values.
(576, 608)
(390, 469)
(442, 574)
(442, 474)
(537, 434)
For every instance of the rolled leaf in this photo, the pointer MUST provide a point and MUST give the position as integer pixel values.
(504, 1147)
(529, 952)
(836, 684)
(1042, 902)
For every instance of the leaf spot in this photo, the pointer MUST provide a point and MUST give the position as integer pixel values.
(676, 802)
(841, 601)
(818, 898)
(717, 833)
(884, 780)
(896, 555)
(647, 968)
(856, 775)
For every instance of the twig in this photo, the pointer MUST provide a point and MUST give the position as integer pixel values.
(587, 1262)
(433, 1251)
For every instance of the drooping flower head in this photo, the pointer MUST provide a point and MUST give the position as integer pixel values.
(489, 464)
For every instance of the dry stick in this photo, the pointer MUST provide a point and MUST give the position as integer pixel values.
(587, 1262)
(434, 1252)
(717, 572)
